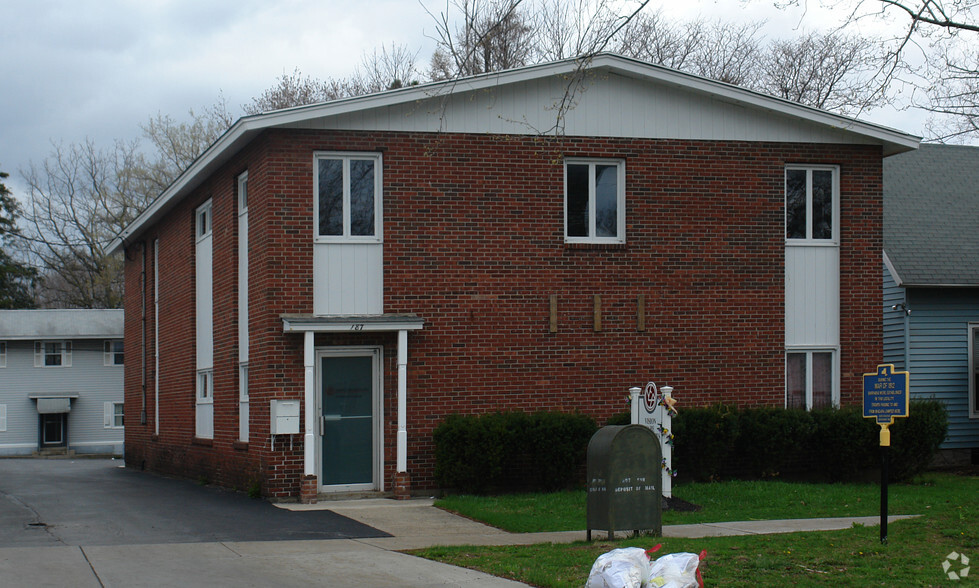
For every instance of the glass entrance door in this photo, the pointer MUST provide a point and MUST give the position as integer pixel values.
(348, 397)
(53, 430)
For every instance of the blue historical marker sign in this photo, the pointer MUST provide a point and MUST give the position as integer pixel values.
(885, 394)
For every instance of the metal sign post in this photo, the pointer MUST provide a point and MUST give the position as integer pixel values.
(885, 397)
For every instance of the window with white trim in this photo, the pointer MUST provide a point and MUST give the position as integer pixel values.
(810, 379)
(347, 193)
(974, 370)
(243, 193)
(3, 354)
(203, 225)
(114, 415)
(112, 353)
(812, 207)
(205, 386)
(52, 354)
(594, 201)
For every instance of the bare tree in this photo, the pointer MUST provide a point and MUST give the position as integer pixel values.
(79, 199)
(178, 143)
(653, 38)
(834, 72)
(485, 36)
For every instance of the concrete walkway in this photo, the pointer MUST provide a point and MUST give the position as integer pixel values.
(370, 561)
(415, 524)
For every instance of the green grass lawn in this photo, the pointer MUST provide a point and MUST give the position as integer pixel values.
(949, 506)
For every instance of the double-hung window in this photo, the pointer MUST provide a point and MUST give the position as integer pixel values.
(112, 353)
(812, 207)
(52, 354)
(594, 201)
(810, 381)
(3, 354)
(347, 190)
(115, 415)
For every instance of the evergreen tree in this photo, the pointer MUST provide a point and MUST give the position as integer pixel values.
(15, 278)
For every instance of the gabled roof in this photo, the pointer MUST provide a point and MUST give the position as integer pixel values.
(615, 97)
(931, 216)
(61, 324)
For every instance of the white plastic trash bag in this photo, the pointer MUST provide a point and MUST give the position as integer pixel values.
(675, 570)
(627, 567)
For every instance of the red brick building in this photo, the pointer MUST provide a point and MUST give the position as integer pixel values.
(377, 263)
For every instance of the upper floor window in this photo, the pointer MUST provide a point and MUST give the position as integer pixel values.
(3, 354)
(347, 192)
(112, 352)
(812, 204)
(243, 193)
(52, 354)
(594, 201)
(203, 228)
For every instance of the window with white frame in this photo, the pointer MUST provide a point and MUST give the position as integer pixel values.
(112, 353)
(810, 380)
(203, 225)
(205, 386)
(974, 370)
(3, 354)
(114, 415)
(243, 193)
(347, 192)
(594, 201)
(52, 354)
(811, 204)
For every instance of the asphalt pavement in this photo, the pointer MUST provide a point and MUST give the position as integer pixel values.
(94, 523)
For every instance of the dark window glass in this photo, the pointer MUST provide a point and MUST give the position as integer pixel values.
(822, 204)
(577, 204)
(795, 204)
(822, 380)
(331, 197)
(606, 201)
(795, 380)
(362, 197)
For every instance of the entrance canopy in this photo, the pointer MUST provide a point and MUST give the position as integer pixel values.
(347, 323)
(310, 324)
(53, 403)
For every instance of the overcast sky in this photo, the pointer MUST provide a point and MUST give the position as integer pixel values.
(71, 70)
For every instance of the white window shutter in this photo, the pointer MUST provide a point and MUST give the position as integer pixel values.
(67, 348)
(108, 413)
(38, 354)
(3, 417)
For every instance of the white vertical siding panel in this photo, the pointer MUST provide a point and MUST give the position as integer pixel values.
(348, 278)
(205, 329)
(812, 296)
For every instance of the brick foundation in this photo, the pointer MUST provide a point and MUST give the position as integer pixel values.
(402, 486)
(307, 493)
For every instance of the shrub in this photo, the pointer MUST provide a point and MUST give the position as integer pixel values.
(772, 441)
(703, 439)
(915, 439)
(511, 451)
(844, 443)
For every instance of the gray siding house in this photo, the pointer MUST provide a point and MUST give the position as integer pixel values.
(61, 382)
(931, 282)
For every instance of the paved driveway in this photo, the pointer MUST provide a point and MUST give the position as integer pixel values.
(99, 502)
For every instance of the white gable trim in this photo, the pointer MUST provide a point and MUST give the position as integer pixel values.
(438, 93)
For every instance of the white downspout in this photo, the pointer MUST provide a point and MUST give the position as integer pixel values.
(402, 401)
(309, 444)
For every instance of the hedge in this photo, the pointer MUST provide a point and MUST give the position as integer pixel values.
(511, 451)
(836, 445)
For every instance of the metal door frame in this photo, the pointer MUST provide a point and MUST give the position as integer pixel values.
(376, 353)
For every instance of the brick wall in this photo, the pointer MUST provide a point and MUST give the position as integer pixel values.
(473, 243)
